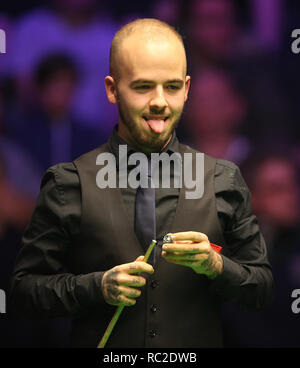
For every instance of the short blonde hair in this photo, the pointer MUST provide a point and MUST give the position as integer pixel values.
(145, 25)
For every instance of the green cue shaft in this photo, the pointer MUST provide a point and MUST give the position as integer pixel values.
(120, 308)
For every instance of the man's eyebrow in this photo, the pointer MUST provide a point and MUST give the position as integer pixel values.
(146, 81)
(175, 81)
(141, 81)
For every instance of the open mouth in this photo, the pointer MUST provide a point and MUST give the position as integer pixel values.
(156, 123)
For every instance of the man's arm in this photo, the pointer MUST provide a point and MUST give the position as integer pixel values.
(246, 279)
(243, 275)
(40, 286)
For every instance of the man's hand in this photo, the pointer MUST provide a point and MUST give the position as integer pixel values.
(119, 284)
(193, 249)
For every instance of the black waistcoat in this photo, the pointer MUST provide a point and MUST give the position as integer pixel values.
(177, 307)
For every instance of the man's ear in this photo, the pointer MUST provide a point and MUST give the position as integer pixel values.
(187, 87)
(110, 88)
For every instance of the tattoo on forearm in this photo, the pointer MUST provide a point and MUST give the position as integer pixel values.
(214, 265)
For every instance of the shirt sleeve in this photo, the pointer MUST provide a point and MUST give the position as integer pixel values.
(247, 278)
(40, 285)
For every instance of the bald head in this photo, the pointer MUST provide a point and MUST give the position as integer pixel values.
(148, 30)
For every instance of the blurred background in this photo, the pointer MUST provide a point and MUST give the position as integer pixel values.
(243, 107)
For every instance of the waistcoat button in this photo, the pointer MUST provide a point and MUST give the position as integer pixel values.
(152, 333)
(154, 284)
(154, 308)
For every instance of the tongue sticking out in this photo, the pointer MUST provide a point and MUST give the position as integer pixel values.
(157, 125)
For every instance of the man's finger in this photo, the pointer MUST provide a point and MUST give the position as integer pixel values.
(192, 236)
(136, 267)
(184, 256)
(128, 280)
(202, 247)
(122, 299)
(130, 292)
(140, 259)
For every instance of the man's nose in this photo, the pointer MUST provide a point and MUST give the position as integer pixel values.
(158, 100)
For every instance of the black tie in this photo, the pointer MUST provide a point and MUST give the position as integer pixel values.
(144, 224)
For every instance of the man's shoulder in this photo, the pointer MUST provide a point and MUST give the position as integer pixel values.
(220, 163)
(62, 173)
(229, 165)
(66, 173)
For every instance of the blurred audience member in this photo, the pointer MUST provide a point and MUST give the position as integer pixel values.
(49, 131)
(218, 40)
(274, 185)
(19, 186)
(214, 114)
(218, 36)
(213, 32)
(16, 205)
(275, 194)
(19, 180)
(83, 30)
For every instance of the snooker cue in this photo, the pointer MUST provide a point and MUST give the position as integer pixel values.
(120, 308)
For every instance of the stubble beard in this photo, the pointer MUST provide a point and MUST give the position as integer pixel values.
(143, 142)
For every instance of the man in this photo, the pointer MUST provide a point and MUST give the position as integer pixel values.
(62, 136)
(216, 115)
(79, 249)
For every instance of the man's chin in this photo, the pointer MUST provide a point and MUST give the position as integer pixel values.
(155, 143)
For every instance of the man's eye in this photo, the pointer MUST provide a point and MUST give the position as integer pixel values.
(173, 87)
(142, 87)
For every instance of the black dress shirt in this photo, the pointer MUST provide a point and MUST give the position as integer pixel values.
(57, 216)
